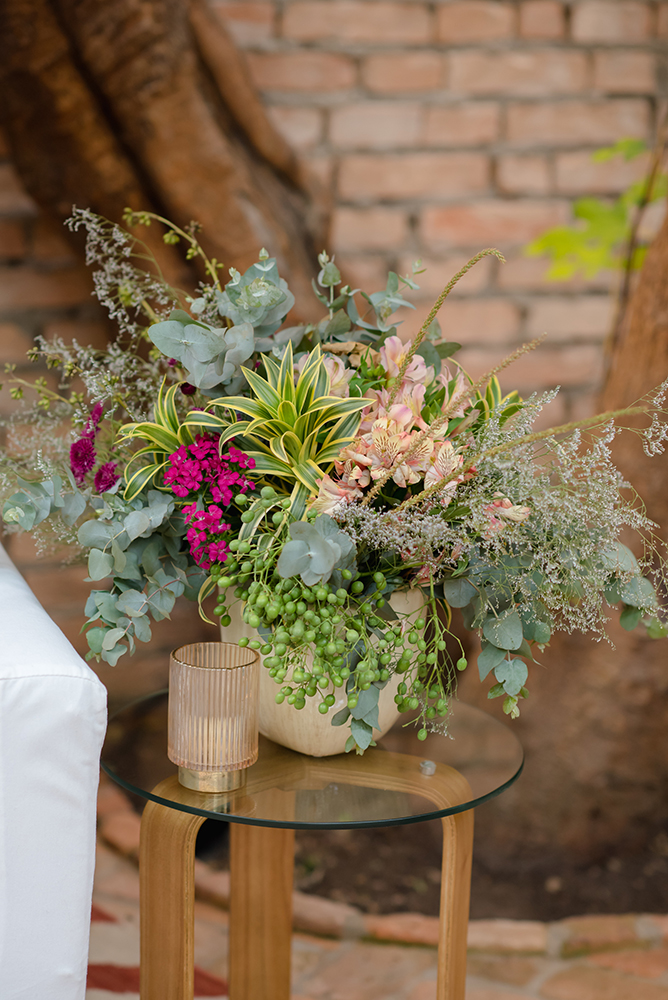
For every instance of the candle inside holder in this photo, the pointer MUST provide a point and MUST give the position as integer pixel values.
(213, 714)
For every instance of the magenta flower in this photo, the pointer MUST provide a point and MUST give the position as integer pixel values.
(90, 429)
(206, 526)
(82, 458)
(200, 469)
(106, 477)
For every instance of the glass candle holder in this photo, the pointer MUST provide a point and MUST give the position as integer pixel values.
(213, 714)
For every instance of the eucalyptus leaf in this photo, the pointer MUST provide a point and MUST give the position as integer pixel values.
(458, 593)
(620, 559)
(74, 504)
(362, 733)
(112, 637)
(639, 592)
(341, 717)
(447, 349)
(512, 674)
(630, 617)
(95, 534)
(136, 523)
(100, 564)
(505, 631)
(489, 657)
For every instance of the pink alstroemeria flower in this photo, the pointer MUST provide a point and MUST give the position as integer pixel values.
(332, 493)
(392, 355)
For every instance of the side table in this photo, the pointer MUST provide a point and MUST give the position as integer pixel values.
(391, 784)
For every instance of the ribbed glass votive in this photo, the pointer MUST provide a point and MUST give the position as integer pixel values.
(213, 714)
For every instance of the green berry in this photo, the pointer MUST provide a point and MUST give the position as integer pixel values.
(243, 641)
(323, 708)
(267, 492)
(422, 734)
(462, 663)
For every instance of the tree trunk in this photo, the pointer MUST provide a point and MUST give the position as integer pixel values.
(594, 727)
(147, 103)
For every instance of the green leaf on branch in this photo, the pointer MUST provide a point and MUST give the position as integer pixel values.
(505, 631)
(630, 617)
(100, 564)
(489, 658)
(458, 593)
(512, 674)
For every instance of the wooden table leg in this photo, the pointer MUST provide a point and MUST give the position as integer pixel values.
(261, 876)
(454, 915)
(167, 898)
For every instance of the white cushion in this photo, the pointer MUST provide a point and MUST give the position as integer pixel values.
(52, 724)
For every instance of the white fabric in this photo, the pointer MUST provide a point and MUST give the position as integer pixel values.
(52, 724)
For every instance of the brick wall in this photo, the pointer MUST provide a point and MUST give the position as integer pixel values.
(439, 128)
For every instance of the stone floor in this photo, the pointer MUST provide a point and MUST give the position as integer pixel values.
(585, 958)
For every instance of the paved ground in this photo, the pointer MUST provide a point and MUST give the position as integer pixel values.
(386, 958)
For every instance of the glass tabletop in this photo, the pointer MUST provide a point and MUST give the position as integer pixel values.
(478, 759)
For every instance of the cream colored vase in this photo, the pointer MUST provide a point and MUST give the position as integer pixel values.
(306, 730)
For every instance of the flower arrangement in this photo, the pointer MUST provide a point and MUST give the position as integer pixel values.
(309, 472)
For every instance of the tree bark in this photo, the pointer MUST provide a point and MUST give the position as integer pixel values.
(594, 727)
(115, 104)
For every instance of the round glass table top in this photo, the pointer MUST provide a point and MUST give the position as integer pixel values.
(478, 759)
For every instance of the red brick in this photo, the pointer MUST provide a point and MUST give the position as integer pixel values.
(61, 589)
(468, 124)
(529, 73)
(647, 964)
(409, 928)
(319, 172)
(23, 287)
(540, 370)
(303, 71)
(247, 21)
(439, 270)
(368, 228)
(523, 175)
(598, 933)
(403, 72)
(565, 318)
(515, 970)
(376, 125)
(14, 342)
(121, 831)
(565, 123)
(413, 175)
(50, 244)
(507, 935)
(492, 993)
(375, 23)
(479, 321)
(577, 173)
(662, 21)
(302, 127)
(542, 19)
(367, 271)
(12, 240)
(85, 332)
(610, 21)
(474, 21)
(620, 72)
(583, 983)
(529, 274)
(486, 223)
(14, 199)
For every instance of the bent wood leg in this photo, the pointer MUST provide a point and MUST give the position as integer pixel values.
(447, 787)
(261, 877)
(454, 911)
(166, 902)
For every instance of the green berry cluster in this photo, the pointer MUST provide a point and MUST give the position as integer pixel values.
(317, 640)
